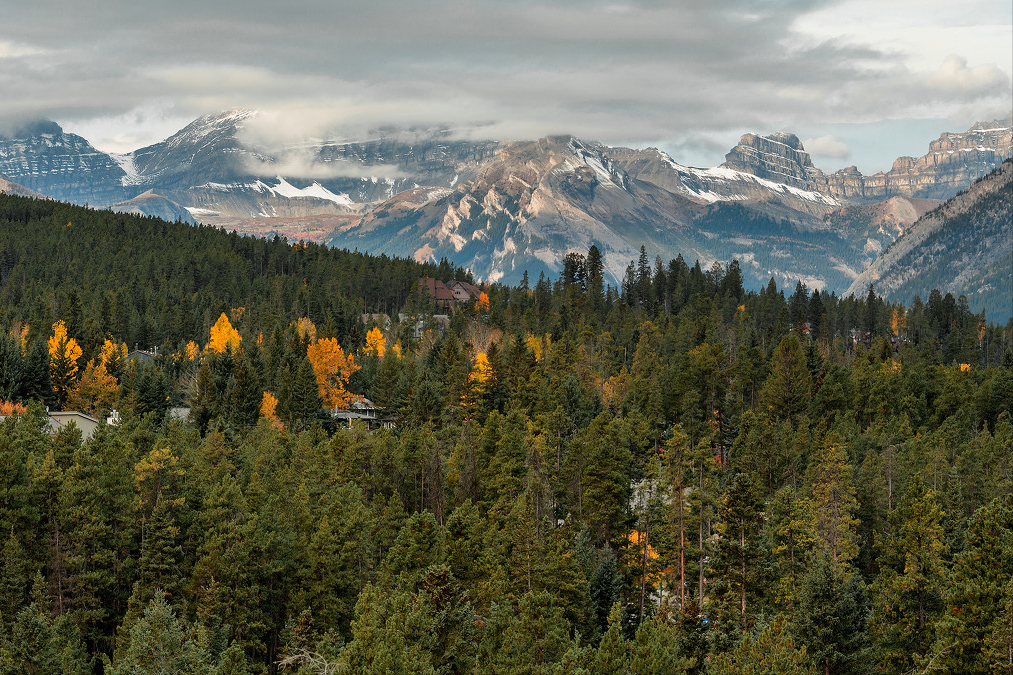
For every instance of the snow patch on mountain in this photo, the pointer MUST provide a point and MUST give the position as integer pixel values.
(701, 184)
(132, 175)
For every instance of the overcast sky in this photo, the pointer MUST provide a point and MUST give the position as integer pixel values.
(860, 81)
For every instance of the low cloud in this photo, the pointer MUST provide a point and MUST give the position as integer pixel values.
(306, 165)
(689, 76)
(827, 146)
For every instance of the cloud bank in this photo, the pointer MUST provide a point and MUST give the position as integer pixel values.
(693, 75)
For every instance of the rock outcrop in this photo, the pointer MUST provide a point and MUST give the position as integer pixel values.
(963, 246)
(954, 161)
(778, 157)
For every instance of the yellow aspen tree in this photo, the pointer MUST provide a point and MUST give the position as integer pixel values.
(376, 343)
(223, 336)
(332, 368)
(268, 410)
(307, 331)
(482, 374)
(192, 351)
(96, 389)
(112, 356)
(483, 302)
(64, 353)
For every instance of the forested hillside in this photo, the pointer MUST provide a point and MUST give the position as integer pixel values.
(673, 476)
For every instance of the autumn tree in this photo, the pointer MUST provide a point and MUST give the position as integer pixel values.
(376, 343)
(64, 353)
(223, 336)
(332, 368)
(95, 390)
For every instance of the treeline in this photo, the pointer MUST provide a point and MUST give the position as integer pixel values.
(147, 282)
(673, 476)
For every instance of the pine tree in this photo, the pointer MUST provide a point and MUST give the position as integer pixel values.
(832, 491)
(829, 618)
(906, 591)
(974, 597)
(771, 652)
(735, 567)
(787, 390)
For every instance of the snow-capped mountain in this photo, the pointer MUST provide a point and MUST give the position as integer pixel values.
(964, 246)
(505, 207)
(44, 158)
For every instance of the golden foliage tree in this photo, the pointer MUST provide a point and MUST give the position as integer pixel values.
(268, 410)
(64, 353)
(376, 343)
(8, 408)
(483, 302)
(112, 356)
(482, 374)
(307, 331)
(95, 390)
(332, 368)
(223, 336)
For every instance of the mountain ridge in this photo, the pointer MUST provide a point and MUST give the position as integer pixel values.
(503, 207)
(965, 243)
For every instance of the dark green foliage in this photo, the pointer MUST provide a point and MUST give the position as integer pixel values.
(652, 476)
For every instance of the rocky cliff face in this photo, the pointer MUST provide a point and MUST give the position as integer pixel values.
(953, 162)
(963, 246)
(42, 157)
(778, 157)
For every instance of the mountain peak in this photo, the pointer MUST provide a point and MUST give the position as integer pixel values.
(779, 157)
(37, 128)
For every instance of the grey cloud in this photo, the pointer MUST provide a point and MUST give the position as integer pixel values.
(649, 72)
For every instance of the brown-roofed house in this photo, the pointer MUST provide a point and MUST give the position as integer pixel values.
(438, 290)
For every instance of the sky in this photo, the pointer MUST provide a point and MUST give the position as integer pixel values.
(859, 81)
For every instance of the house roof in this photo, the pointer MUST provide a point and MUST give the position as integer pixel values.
(470, 289)
(436, 288)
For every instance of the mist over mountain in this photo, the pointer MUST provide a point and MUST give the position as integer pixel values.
(503, 208)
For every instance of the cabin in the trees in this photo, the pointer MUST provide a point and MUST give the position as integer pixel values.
(463, 291)
(366, 412)
(437, 290)
(61, 419)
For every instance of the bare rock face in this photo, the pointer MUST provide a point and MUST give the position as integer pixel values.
(44, 158)
(953, 162)
(778, 157)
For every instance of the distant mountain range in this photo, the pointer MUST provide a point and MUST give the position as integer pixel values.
(963, 247)
(501, 208)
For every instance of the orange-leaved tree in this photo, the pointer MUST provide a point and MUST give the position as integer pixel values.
(8, 408)
(223, 336)
(96, 389)
(269, 408)
(376, 343)
(483, 302)
(332, 368)
(113, 356)
(64, 353)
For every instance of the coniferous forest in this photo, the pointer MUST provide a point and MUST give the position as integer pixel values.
(672, 475)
